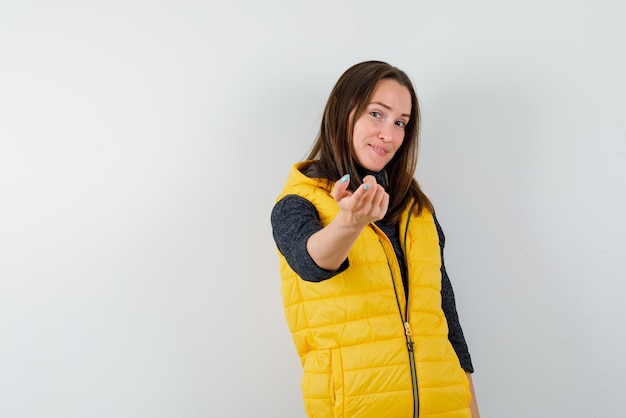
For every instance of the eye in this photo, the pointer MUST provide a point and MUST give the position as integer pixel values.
(376, 114)
(400, 124)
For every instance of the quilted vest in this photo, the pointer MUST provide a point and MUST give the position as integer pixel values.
(366, 351)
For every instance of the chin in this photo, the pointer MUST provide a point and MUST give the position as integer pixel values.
(377, 167)
(374, 166)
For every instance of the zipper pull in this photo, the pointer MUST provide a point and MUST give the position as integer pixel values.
(407, 329)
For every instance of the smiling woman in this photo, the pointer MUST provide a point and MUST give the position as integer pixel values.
(366, 295)
(379, 131)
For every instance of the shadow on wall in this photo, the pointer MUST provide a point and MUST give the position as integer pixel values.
(484, 163)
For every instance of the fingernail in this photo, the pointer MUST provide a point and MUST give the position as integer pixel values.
(345, 178)
(367, 186)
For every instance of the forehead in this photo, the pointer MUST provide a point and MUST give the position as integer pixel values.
(392, 94)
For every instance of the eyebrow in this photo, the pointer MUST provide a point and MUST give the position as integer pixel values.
(389, 108)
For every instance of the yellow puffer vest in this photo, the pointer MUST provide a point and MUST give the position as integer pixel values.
(363, 354)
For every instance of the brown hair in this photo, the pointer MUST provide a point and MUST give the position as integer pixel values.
(333, 146)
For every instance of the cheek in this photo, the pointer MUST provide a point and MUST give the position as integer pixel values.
(358, 134)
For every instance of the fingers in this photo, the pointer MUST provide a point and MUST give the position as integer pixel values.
(341, 188)
(375, 196)
(369, 202)
(370, 189)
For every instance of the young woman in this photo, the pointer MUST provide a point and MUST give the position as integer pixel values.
(366, 294)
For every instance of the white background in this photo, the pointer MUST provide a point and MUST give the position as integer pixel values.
(142, 145)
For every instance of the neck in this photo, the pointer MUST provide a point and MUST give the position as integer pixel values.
(380, 176)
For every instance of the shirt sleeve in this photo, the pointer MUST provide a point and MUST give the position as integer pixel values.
(448, 303)
(294, 219)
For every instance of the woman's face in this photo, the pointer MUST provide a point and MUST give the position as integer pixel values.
(379, 131)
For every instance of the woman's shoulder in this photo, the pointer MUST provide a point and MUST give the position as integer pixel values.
(292, 207)
(290, 201)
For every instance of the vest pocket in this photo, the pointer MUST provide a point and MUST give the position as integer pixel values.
(337, 383)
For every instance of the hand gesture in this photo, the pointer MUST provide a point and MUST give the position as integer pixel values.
(368, 203)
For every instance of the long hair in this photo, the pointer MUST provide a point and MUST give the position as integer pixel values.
(333, 147)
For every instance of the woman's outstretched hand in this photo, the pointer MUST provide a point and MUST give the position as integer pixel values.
(329, 247)
(368, 203)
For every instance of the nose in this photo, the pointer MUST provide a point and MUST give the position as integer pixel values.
(386, 132)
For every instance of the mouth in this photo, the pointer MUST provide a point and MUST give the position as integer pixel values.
(379, 150)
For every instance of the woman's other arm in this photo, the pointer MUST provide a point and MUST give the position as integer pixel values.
(473, 403)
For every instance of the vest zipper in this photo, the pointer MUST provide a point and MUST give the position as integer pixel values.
(408, 334)
(407, 324)
(409, 344)
(404, 316)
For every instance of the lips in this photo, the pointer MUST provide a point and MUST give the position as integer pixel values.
(379, 150)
